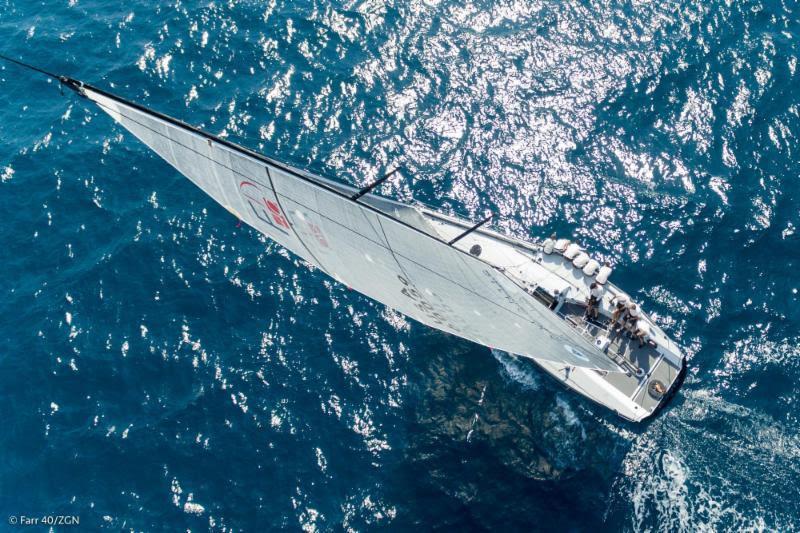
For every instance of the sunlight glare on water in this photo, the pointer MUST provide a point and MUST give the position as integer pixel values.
(168, 369)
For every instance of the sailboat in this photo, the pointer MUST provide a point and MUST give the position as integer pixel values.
(466, 279)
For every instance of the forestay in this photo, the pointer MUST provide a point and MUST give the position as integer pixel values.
(381, 248)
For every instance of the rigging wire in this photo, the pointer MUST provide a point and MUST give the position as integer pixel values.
(30, 67)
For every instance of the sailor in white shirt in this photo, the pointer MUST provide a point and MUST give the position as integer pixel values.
(631, 316)
(548, 244)
(593, 302)
(642, 332)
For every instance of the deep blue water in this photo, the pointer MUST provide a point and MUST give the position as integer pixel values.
(163, 369)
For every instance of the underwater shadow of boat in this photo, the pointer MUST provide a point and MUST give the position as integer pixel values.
(485, 432)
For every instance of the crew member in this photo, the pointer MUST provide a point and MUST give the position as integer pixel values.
(560, 297)
(593, 302)
(632, 314)
(617, 320)
(642, 332)
(548, 244)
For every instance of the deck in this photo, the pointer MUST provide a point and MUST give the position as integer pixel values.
(643, 364)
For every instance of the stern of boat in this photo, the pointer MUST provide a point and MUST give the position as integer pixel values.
(649, 375)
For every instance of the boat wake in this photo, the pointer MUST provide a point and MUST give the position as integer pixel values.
(681, 477)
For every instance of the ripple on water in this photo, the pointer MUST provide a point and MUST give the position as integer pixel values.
(228, 385)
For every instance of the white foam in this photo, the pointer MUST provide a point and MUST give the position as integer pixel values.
(322, 463)
(176, 490)
(570, 416)
(7, 174)
(191, 507)
(681, 478)
(518, 370)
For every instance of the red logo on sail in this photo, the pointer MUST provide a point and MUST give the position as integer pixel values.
(277, 216)
(263, 205)
(317, 233)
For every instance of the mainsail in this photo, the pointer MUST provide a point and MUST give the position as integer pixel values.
(379, 247)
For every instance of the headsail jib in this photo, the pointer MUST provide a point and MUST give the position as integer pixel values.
(396, 263)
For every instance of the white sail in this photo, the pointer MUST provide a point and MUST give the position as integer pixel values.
(381, 248)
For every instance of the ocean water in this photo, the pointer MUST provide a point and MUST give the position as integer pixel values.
(163, 368)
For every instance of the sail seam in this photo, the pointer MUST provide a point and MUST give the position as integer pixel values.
(296, 233)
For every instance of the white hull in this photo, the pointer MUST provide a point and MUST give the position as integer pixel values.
(594, 386)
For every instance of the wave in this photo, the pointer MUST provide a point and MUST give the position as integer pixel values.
(711, 466)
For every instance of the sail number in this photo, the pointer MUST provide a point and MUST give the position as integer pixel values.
(409, 291)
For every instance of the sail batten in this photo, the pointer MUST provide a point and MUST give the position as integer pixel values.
(400, 261)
